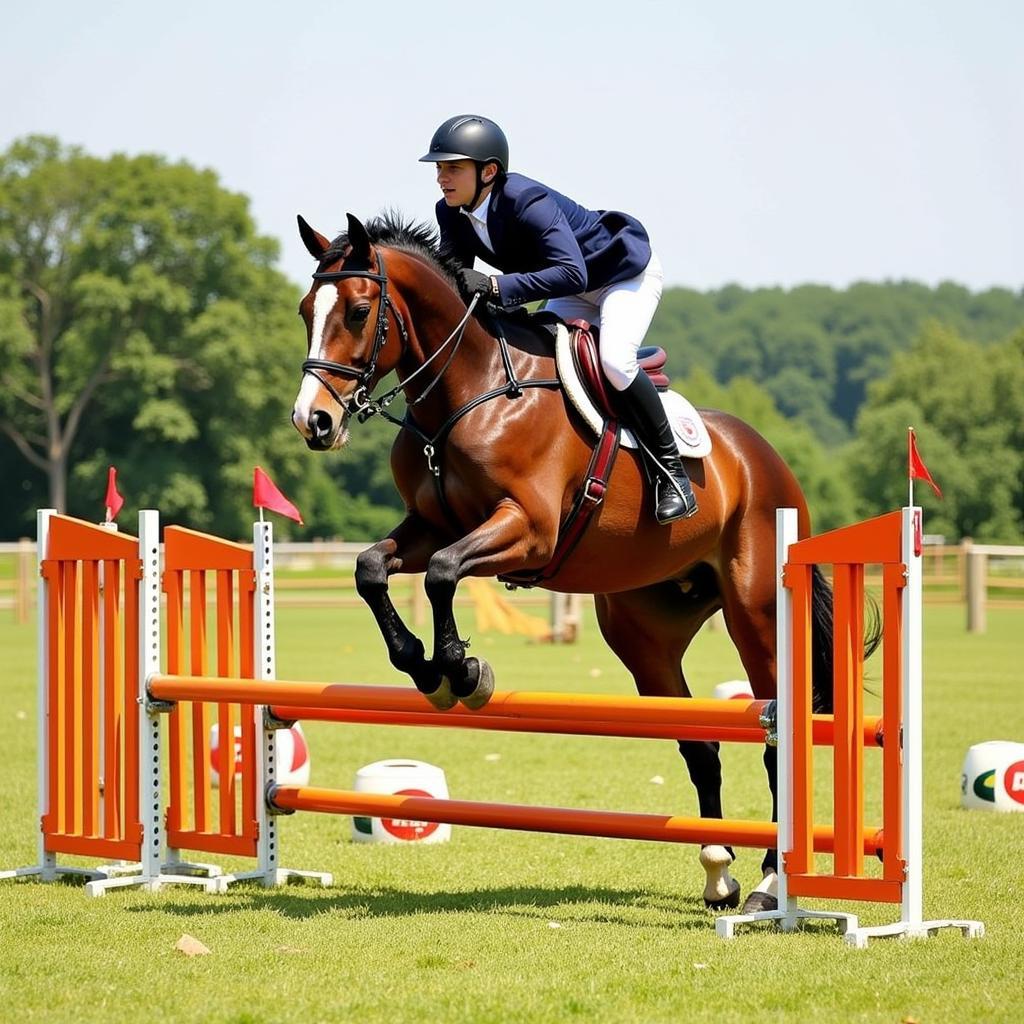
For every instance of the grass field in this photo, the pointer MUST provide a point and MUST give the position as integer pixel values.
(499, 926)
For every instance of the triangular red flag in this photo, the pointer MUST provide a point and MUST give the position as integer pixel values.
(113, 500)
(917, 469)
(266, 495)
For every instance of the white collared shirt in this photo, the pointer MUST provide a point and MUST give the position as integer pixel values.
(478, 218)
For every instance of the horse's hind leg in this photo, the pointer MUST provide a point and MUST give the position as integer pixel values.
(649, 630)
(748, 604)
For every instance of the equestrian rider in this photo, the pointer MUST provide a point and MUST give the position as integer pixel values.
(591, 264)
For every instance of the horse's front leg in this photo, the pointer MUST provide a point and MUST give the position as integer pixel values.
(507, 541)
(406, 549)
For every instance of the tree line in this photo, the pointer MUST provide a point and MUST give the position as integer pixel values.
(144, 323)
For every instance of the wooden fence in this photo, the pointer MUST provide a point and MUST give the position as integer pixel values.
(320, 574)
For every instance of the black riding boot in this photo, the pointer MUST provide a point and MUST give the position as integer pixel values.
(674, 497)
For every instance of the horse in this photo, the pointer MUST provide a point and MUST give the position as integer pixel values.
(488, 472)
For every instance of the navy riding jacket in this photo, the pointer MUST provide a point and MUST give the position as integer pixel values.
(546, 245)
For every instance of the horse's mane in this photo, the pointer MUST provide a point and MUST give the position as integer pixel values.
(414, 237)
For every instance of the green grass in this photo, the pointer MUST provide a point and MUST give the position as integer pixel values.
(502, 926)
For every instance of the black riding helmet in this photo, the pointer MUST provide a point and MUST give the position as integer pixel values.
(469, 137)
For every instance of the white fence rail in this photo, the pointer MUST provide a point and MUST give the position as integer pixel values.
(980, 576)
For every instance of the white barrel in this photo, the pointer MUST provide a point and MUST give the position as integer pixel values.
(993, 777)
(735, 689)
(293, 762)
(402, 778)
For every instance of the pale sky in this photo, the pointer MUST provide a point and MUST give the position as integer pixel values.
(764, 143)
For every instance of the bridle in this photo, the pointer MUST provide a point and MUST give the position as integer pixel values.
(362, 376)
(363, 404)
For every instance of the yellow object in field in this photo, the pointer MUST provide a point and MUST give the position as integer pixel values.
(495, 612)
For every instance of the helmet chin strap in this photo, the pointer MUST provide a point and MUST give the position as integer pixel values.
(480, 186)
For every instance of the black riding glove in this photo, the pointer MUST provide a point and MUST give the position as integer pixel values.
(472, 282)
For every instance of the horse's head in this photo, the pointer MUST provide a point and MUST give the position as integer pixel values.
(346, 312)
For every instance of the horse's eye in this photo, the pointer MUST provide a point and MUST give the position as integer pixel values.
(359, 314)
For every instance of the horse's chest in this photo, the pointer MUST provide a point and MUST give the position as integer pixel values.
(456, 497)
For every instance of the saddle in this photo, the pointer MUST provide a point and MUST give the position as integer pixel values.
(578, 362)
(583, 344)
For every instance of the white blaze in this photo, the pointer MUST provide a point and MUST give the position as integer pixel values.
(326, 297)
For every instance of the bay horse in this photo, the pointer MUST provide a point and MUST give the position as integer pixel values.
(488, 473)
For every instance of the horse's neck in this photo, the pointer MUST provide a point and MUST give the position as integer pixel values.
(475, 368)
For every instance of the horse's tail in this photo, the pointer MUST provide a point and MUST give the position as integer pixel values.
(822, 635)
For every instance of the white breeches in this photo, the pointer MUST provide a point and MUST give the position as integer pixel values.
(623, 311)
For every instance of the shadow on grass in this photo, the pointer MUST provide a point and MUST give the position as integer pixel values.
(568, 903)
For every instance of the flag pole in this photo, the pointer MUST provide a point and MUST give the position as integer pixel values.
(910, 475)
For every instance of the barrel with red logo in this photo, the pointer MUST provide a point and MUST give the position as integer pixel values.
(400, 777)
(993, 777)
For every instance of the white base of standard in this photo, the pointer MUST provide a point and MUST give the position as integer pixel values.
(848, 924)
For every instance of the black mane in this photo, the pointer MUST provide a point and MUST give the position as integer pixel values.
(411, 236)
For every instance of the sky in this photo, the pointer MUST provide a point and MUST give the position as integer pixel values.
(772, 143)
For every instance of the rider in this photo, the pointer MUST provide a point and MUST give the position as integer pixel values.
(597, 265)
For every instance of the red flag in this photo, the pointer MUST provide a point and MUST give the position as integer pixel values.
(917, 469)
(266, 495)
(113, 500)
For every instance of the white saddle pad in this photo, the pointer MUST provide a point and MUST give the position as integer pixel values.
(691, 434)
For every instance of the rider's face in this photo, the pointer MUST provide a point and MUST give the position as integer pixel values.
(457, 179)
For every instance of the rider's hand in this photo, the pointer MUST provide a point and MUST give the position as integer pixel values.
(472, 282)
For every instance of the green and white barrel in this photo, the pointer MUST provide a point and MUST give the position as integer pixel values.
(993, 777)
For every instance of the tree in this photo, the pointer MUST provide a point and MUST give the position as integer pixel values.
(828, 492)
(142, 321)
(966, 401)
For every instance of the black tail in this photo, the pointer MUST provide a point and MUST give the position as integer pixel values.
(821, 639)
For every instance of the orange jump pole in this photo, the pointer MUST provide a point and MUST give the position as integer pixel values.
(583, 714)
(461, 718)
(561, 820)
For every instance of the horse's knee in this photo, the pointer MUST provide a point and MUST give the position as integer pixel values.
(371, 573)
(442, 575)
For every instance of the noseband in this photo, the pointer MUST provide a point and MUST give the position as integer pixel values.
(364, 376)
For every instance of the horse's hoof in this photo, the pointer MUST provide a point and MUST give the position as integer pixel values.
(484, 688)
(729, 902)
(721, 891)
(443, 698)
(758, 901)
(764, 896)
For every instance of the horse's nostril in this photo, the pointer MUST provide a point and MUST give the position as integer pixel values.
(320, 424)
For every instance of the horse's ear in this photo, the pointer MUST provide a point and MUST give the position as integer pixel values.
(358, 238)
(313, 240)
